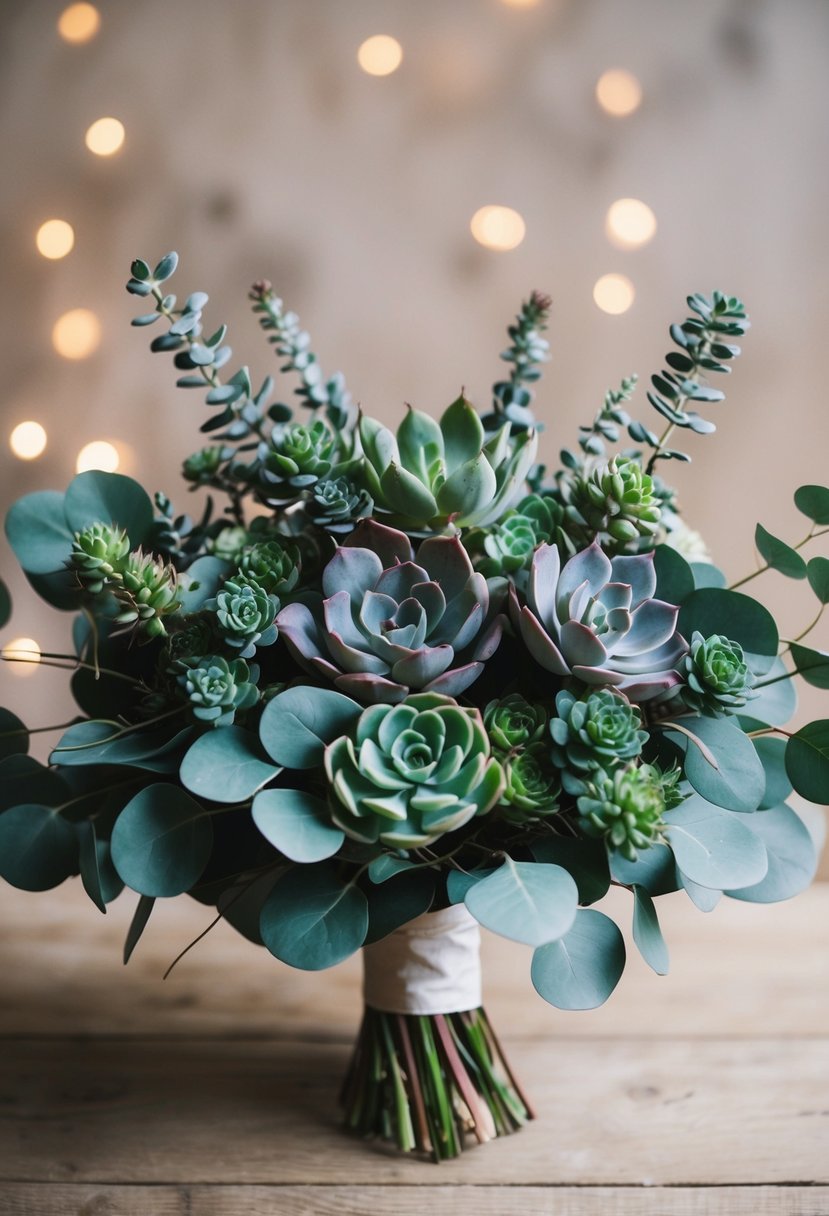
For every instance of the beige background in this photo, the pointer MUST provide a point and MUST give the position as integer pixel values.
(256, 147)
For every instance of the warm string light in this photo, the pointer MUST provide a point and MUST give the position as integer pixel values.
(77, 334)
(498, 228)
(630, 223)
(614, 293)
(521, 3)
(99, 454)
(28, 440)
(23, 656)
(79, 23)
(380, 55)
(54, 239)
(105, 136)
(618, 92)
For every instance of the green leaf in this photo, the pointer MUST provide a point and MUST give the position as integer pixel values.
(706, 574)
(312, 919)
(24, 779)
(654, 869)
(420, 442)
(14, 738)
(137, 925)
(714, 847)
(96, 496)
(812, 665)
(60, 588)
(397, 902)
(647, 933)
(704, 898)
(463, 433)
(161, 841)
(38, 533)
(674, 577)
(581, 969)
(226, 765)
(388, 866)
(772, 753)
(585, 860)
(94, 742)
(98, 875)
(166, 267)
(738, 781)
(807, 761)
(297, 824)
(241, 904)
(458, 882)
(38, 849)
(529, 902)
(714, 610)
(817, 573)
(5, 604)
(778, 555)
(791, 852)
(200, 582)
(813, 502)
(297, 724)
(775, 703)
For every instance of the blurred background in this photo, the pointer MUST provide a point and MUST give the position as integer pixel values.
(405, 175)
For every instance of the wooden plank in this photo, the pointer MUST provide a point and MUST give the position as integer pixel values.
(61, 967)
(675, 1112)
(83, 1200)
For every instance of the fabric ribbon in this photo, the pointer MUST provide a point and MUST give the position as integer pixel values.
(430, 965)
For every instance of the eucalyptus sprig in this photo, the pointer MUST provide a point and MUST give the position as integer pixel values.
(512, 398)
(606, 427)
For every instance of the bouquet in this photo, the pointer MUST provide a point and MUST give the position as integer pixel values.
(388, 686)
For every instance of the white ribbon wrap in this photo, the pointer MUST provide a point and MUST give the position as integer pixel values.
(430, 965)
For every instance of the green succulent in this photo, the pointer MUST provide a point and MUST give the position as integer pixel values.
(718, 680)
(218, 690)
(624, 808)
(229, 544)
(245, 615)
(412, 771)
(514, 722)
(615, 503)
(598, 731)
(271, 565)
(98, 554)
(148, 591)
(197, 636)
(293, 459)
(532, 785)
(336, 503)
(509, 544)
(202, 466)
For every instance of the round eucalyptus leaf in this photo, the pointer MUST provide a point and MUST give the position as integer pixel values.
(38, 849)
(674, 577)
(704, 898)
(297, 824)
(312, 919)
(60, 588)
(226, 765)
(654, 869)
(807, 761)
(98, 875)
(817, 573)
(715, 610)
(38, 533)
(585, 860)
(98, 497)
(241, 904)
(706, 574)
(24, 779)
(778, 555)
(647, 933)
(530, 902)
(714, 847)
(775, 703)
(581, 969)
(458, 882)
(201, 581)
(772, 753)
(161, 841)
(14, 738)
(812, 665)
(94, 742)
(813, 502)
(398, 901)
(791, 852)
(721, 762)
(298, 723)
(387, 866)
(5, 604)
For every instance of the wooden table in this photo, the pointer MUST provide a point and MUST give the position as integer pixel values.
(214, 1093)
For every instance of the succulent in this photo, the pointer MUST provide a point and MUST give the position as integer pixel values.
(594, 732)
(512, 399)
(389, 623)
(432, 473)
(98, 554)
(514, 722)
(532, 785)
(197, 636)
(412, 772)
(216, 689)
(229, 544)
(625, 809)
(336, 503)
(202, 466)
(272, 565)
(509, 544)
(245, 615)
(596, 619)
(614, 503)
(718, 680)
(147, 591)
(293, 459)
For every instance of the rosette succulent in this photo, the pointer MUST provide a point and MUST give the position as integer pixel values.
(98, 554)
(509, 544)
(412, 772)
(294, 457)
(218, 690)
(594, 732)
(271, 565)
(201, 467)
(336, 503)
(431, 473)
(532, 785)
(597, 619)
(625, 809)
(389, 622)
(718, 680)
(514, 722)
(146, 592)
(245, 615)
(229, 543)
(614, 503)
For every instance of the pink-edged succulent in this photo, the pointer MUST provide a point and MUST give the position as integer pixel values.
(388, 623)
(596, 618)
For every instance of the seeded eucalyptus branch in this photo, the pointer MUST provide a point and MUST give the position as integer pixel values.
(511, 399)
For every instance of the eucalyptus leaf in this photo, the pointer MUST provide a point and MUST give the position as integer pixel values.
(94, 743)
(137, 925)
(241, 904)
(807, 761)
(812, 665)
(98, 875)
(226, 765)
(772, 753)
(654, 870)
(704, 898)
(647, 933)
(298, 723)
(14, 738)
(817, 573)
(161, 841)
(387, 866)
(37, 531)
(586, 860)
(813, 502)
(706, 574)
(5, 604)
(738, 781)
(530, 902)
(297, 824)
(748, 622)
(397, 902)
(674, 576)
(714, 847)
(458, 882)
(313, 919)
(38, 849)
(581, 969)
(778, 555)
(791, 853)
(95, 496)
(200, 582)
(775, 702)
(24, 779)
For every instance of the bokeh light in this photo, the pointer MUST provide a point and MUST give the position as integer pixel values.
(79, 22)
(105, 136)
(99, 454)
(380, 55)
(23, 655)
(497, 227)
(630, 223)
(76, 334)
(28, 440)
(618, 92)
(520, 3)
(614, 293)
(55, 238)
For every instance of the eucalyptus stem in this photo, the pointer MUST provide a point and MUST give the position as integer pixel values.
(812, 535)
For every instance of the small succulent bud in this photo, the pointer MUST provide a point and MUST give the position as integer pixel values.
(218, 690)
(98, 554)
(336, 504)
(148, 591)
(513, 722)
(624, 809)
(598, 731)
(245, 615)
(718, 678)
(274, 566)
(615, 504)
